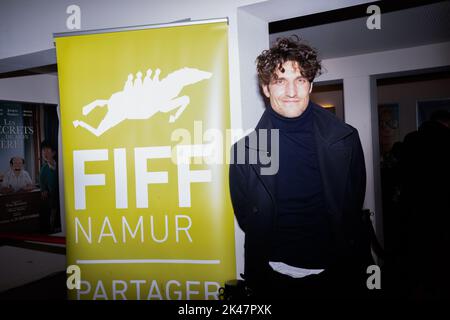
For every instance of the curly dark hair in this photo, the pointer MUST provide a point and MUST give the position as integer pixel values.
(287, 49)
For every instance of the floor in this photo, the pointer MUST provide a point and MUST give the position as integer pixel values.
(32, 271)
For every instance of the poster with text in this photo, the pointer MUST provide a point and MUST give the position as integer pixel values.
(143, 117)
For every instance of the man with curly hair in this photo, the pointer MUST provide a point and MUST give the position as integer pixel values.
(304, 232)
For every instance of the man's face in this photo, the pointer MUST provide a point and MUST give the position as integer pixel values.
(17, 165)
(48, 154)
(289, 93)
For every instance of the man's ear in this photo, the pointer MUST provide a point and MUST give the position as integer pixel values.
(310, 88)
(266, 91)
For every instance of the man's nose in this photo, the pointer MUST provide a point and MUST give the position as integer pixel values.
(291, 90)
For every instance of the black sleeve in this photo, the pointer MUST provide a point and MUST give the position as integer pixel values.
(363, 224)
(239, 193)
(358, 173)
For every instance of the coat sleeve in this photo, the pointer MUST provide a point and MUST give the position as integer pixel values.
(238, 178)
(358, 173)
(358, 189)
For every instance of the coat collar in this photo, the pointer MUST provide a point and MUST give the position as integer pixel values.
(326, 127)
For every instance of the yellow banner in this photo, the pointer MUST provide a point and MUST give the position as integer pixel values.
(144, 115)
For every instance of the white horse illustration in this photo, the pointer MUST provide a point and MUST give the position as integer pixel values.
(141, 99)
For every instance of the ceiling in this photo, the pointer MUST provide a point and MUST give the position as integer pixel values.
(405, 28)
(335, 33)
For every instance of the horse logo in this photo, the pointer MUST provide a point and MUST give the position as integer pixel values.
(141, 99)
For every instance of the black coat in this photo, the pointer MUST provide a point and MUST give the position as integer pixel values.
(341, 162)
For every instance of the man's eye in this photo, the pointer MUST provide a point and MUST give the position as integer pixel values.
(302, 80)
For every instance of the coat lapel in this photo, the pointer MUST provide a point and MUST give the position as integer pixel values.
(334, 158)
(261, 151)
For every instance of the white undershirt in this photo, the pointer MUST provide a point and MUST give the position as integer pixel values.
(291, 271)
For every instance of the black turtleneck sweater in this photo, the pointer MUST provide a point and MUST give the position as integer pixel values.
(302, 234)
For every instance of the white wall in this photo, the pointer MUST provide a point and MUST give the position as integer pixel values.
(253, 36)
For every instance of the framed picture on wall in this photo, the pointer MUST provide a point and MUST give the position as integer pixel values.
(23, 126)
(388, 122)
(426, 108)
